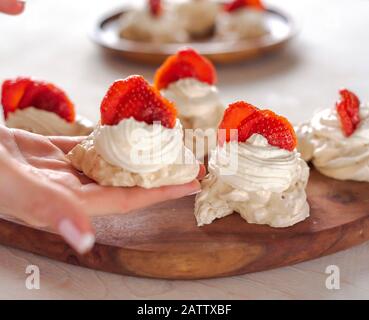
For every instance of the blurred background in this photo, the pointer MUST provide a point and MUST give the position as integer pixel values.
(50, 41)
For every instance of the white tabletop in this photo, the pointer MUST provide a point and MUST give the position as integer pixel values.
(50, 42)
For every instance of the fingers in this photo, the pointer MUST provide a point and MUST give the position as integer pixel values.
(63, 213)
(101, 200)
(67, 216)
(111, 200)
(30, 145)
(42, 202)
(66, 144)
(12, 7)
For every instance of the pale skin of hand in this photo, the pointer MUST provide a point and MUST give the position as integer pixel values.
(39, 186)
(12, 7)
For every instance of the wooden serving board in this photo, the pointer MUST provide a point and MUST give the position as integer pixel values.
(164, 241)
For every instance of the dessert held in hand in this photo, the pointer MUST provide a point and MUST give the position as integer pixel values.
(188, 79)
(41, 107)
(336, 140)
(139, 141)
(255, 170)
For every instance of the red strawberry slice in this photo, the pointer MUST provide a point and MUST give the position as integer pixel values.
(155, 7)
(12, 92)
(232, 118)
(248, 120)
(238, 4)
(276, 129)
(348, 110)
(187, 63)
(22, 93)
(134, 97)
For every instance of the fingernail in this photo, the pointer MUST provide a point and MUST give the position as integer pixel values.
(81, 242)
(193, 193)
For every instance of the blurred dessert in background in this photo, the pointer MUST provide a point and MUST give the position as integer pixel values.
(139, 141)
(242, 19)
(41, 107)
(188, 79)
(336, 140)
(198, 17)
(177, 22)
(156, 22)
(255, 171)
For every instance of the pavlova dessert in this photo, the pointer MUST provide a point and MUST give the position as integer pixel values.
(336, 140)
(188, 79)
(41, 107)
(139, 141)
(198, 17)
(255, 171)
(242, 19)
(155, 23)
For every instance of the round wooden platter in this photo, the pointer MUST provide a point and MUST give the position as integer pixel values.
(164, 242)
(106, 34)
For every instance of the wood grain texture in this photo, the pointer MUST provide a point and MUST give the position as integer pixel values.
(106, 35)
(164, 242)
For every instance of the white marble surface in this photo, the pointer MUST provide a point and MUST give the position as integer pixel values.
(49, 42)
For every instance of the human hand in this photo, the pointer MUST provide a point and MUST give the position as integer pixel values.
(12, 6)
(39, 186)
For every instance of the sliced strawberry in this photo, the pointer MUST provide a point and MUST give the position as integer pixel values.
(238, 4)
(248, 120)
(134, 97)
(155, 7)
(276, 129)
(348, 110)
(12, 92)
(22, 93)
(187, 63)
(233, 116)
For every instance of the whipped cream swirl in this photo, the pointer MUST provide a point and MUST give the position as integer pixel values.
(334, 154)
(199, 109)
(192, 97)
(255, 165)
(137, 146)
(47, 123)
(264, 184)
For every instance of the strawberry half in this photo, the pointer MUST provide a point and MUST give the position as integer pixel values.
(232, 118)
(12, 92)
(238, 4)
(276, 129)
(348, 110)
(155, 7)
(186, 63)
(22, 93)
(249, 120)
(134, 97)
